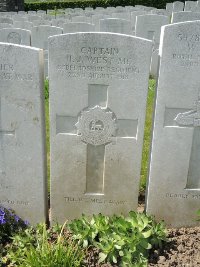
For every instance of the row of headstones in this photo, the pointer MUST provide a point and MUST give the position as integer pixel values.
(147, 26)
(98, 86)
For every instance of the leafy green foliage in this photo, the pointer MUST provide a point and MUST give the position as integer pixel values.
(36, 247)
(125, 241)
(93, 3)
(46, 89)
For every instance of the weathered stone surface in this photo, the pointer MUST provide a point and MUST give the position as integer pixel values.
(116, 26)
(190, 6)
(15, 36)
(174, 179)
(26, 25)
(185, 16)
(98, 89)
(178, 6)
(40, 34)
(5, 25)
(154, 64)
(22, 132)
(73, 27)
(149, 27)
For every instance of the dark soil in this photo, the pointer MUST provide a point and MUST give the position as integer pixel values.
(183, 249)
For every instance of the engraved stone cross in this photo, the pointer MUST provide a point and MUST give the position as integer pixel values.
(97, 126)
(190, 118)
(3, 133)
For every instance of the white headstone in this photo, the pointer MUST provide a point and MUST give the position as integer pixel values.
(96, 20)
(6, 20)
(190, 6)
(15, 36)
(185, 16)
(22, 132)
(40, 34)
(154, 64)
(5, 25)
(98, 89)
(169, 8)
(116, 25)
(149, 27)
(26, 25)
(122, 15)
(81, 19)
(178, 6)
(174, 178)
(78, 27)
(134, 14)
(41, 22)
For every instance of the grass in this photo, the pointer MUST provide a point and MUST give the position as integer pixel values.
(147, 135)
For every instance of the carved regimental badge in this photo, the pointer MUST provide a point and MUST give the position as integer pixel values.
(96, 126)
(14, 38)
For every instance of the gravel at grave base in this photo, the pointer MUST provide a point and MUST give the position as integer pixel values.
(182, 250)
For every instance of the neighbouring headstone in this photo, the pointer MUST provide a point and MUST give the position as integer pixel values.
(122, 15)
(169, 8)
(15, 36)
(40, 34)
(96, 20)
(26, 25)
(6, 20)
(134, 15)
(72, 27)
(154, 64)
(162, 12)
(5, 25)
(174, 176)
(190, 6)
(149, 27)
(98, 89)
(116, 26)
(81, 19)
(22, 133)
(178, 6)
(185, 16)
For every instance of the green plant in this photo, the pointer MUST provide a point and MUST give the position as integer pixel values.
(43, 247)
(147, 135)
(46, 89)
(125, 241)
(92, 3)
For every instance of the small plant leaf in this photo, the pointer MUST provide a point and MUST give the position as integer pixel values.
(102, 257)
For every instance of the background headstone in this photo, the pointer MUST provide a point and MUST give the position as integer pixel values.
(116, 26)
(15, 36)
(185, 16)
